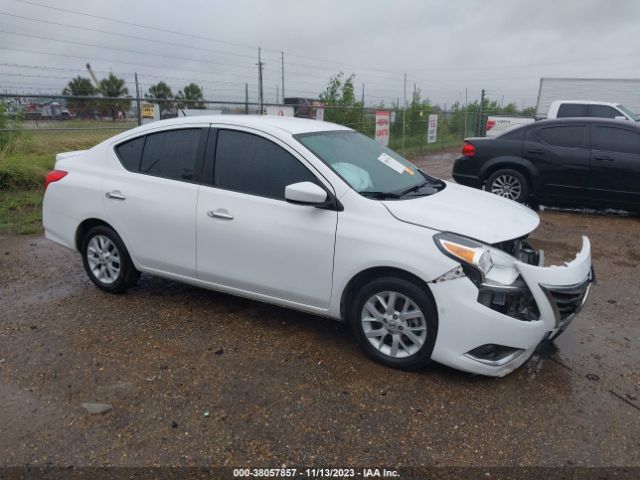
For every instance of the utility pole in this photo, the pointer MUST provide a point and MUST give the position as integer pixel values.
(260, 89)
(277, 93)
(246, 98)
(404, 111)
(135, 75)
(282, 64)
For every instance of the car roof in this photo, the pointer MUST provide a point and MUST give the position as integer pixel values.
(587, 102)
(292, 125)
(610, 121)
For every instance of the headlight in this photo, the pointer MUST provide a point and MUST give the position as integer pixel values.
(481, 262)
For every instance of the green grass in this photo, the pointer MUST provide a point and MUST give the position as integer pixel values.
(24, 163)
(21, 211)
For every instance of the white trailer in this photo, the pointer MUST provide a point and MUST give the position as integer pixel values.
(625, 91)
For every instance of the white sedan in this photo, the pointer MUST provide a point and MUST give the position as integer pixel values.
(317, 217)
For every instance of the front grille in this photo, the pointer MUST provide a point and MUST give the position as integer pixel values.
(567, 301)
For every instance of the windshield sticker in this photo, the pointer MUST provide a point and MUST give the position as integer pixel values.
(391, 162)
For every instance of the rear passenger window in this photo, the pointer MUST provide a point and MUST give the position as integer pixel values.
(562, 136)
(604, 111)
(572, 110)
(251, 164)
(171, 154)
(613, 139)
(130, 153)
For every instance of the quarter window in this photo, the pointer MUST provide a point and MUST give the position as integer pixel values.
(171, 154)
(563, 136)
(130, 153)
(251, 164)
(613, 139)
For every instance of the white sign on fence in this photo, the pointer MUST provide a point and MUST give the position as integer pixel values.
(320, 113)
(382, 128)
(433, 128)
(280, 110)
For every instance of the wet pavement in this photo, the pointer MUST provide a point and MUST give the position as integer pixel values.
(200, 378)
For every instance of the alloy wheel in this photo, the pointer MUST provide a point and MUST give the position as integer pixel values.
(104, 259)
(507, 186)
(393, 324)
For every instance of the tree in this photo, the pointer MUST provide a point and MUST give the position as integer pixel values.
(340, 92)
(80, 87)
(113, 86)
(192, 93)
(162, 91)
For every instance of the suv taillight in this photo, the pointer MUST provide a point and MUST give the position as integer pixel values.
(490, 124)
(54, 176)
(468, 150)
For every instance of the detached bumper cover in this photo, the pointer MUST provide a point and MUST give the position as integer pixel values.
(464, 324)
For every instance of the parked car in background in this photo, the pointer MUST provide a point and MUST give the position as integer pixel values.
(584, 108)
(317, 217)
(498, 125)
(570, 161)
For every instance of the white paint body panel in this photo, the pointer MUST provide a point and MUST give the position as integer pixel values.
(297, 255)
(502, 124)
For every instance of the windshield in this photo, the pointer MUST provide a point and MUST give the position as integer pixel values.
(628, 112)
(368, 167)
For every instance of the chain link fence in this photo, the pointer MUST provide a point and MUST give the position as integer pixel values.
(38, 126)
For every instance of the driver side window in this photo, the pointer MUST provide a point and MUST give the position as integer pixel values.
(250, 164)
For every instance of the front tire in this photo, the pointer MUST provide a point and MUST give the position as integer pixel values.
(395, 322)
(509, 184)
(106, 260)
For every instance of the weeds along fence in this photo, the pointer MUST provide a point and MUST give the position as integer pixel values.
(33, 128)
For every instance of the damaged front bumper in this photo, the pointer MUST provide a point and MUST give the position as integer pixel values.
(492, 330)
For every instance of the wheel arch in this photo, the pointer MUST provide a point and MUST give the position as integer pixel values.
(87, 225)
(363, 277)
(525, 167)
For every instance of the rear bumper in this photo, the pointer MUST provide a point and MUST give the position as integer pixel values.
(464, 324)
(465, 177)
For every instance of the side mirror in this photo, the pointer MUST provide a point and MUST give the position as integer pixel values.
(619, 117)
(305, 193)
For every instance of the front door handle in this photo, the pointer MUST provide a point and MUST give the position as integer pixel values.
(604, 158)
(115, 195)
(220, 213)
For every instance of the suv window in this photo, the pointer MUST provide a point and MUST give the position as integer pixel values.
(130, 153)
(572, 110)
(612, 139)
(251, 164)
(562, 136)
(171, 154)
(604, 111)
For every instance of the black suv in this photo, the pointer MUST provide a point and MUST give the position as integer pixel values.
(568, 161)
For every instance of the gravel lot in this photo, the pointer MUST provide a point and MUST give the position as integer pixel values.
(200, 378)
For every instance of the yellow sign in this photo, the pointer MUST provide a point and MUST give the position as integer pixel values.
(148, 110)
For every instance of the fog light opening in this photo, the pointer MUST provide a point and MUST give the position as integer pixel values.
(494, 355)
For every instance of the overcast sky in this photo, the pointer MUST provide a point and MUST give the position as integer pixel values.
(444, 46)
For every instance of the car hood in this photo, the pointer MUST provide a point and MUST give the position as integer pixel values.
(467, 211)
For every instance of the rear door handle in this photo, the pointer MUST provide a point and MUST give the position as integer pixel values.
(535, 150)
(220, 213)
(115, 195)
(604, 158)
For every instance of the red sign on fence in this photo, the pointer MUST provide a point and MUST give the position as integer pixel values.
(382, 128)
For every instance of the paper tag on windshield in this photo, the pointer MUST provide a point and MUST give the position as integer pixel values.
(391, 162)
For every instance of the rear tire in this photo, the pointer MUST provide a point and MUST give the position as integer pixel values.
(509, 183)
(395, 322)
(106, 260)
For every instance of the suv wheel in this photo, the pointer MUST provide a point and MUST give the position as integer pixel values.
(395, 322)
(107, 261)
(509, 184)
